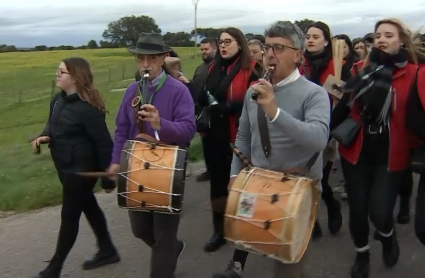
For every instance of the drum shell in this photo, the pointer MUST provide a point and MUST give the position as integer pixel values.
(290, 218)
(162, 179)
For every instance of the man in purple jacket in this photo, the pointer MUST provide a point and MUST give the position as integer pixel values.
(168, 114)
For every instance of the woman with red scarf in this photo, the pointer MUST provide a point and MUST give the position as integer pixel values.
(229, 77)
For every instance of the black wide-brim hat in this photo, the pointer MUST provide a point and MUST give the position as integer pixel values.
(149, 44)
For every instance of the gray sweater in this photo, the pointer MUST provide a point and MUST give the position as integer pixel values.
(300, 130)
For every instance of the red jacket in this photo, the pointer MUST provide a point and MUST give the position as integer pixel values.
(401, 139)
(328, 70)
(357, 67)
(236, 92)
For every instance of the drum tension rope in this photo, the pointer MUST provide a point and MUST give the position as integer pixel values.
(143, 204)
(267, 224)
(141, 188)
(275, 198)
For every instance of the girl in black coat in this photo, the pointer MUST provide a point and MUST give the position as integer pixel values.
(79, 141)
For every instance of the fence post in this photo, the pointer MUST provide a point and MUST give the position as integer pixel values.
(109, 74)
(123, 71)
(52, 92)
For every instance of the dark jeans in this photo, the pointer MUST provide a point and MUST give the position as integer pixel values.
(78, 198)
(372, 192)
(420, 211)
(158, 231)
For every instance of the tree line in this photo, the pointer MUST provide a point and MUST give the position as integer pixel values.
(125, 31)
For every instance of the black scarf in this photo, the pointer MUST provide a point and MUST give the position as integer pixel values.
(219, 79)
(318, 63)
(373, 88)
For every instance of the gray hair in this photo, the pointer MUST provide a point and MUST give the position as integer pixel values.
(287, 30)
(255, 42)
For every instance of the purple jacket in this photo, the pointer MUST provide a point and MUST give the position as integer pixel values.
(176, 110)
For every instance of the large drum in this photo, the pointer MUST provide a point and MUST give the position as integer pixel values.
(271, 213)
(152, 177)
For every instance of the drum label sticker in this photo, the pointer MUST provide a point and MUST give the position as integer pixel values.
(246, 205)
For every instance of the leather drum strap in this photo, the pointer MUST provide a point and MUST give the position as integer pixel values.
(149, 138)
(264, 131)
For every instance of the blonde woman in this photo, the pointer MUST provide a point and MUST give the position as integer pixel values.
(375, 159)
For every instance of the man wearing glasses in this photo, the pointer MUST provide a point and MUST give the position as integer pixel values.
(297, 115)
(166, 113)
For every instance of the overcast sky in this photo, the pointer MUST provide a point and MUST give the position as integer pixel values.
(27, 23)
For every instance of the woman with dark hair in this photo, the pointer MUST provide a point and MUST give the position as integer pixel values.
(317, 66)
(359, 47)
(350, 56)
(79, 141)
(229, 77)
(375, 160)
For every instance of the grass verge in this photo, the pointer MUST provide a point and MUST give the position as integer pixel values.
(30, 182)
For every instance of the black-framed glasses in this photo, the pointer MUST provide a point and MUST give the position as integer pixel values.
(277, 48)
(226, 42)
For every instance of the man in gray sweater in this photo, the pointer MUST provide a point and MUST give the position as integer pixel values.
(298, 116)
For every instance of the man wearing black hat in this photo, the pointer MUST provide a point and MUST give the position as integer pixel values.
(169, 53)
(166, 113)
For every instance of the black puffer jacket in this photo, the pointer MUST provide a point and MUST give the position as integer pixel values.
(79, 137)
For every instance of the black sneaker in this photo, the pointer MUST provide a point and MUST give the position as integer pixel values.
(214, 243)
(102, 258)
(234, 270)
(361, 267)
(390, 249)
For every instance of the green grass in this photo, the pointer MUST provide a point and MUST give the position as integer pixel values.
(29, 182)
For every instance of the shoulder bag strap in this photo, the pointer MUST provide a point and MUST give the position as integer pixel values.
(264, 131)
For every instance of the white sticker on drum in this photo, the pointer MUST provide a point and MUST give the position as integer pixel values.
(246, 205)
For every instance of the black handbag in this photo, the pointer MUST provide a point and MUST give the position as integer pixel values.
(202, 119)
(346, 132)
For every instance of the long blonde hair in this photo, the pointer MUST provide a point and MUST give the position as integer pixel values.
(414, 50)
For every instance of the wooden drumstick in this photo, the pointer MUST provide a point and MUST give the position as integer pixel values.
(240, 155)
(95, 174)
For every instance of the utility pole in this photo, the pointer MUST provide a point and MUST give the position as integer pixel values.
(195, 3)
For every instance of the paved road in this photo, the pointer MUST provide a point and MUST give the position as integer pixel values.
(28, 239)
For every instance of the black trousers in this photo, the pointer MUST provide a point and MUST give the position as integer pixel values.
(204, 142)
(372, 192)
(78, 198)
(159, 232)
(420, 211)
(218, 157)
(406, 186)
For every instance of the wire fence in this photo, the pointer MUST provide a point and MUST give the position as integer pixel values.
(18, 88)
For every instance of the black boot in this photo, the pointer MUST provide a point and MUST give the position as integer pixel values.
(390, 249)
(107, 254)
(334, 217)
(403, 216)
(217, 240)
(53, 270)
(361, 267)
(317, 231)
